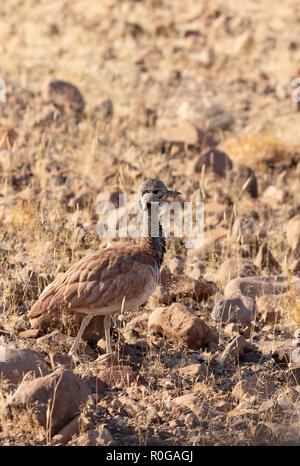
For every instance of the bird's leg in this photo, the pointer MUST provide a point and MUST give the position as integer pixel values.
(107, 324)
(84, 323)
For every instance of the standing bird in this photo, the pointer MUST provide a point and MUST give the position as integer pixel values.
(122, 276)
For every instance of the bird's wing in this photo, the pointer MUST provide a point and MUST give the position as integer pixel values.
(98, 280)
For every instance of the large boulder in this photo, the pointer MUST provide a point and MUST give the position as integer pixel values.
(258, 286)
(50, 401)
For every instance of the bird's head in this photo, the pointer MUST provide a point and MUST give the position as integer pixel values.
(154, 191)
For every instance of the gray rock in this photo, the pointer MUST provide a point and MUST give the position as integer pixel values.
(235, 310)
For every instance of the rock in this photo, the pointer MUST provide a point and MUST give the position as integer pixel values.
(93, 438)
(65, 392)
(255, 385)
(279, 350)
(194, 371)
(139, 323)
(179, 287)
(269, 306)
(213, 160)
(190, 402)
(235, 310)
(243, 179)
(188, 134)
(64, 95)
(7, 138)
(214, 243)
(32, 333)
(178, 323)
(105, 109)
(258, 286)
(236, 267)
(262, 434)
(293, 233)
(273, 194)
(236, 349)
(67, 432)
(118, 375)
(246, 231)
(266, 261)
(16, 362)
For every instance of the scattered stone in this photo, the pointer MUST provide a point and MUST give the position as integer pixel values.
(266, 261)
(247, 231)
(243, 179)
(262, 434)
(188, 134)
(236, 349)
(293, 233)
(269, 306)
(62, 390)
(257, 286)
(236, 267)
(120, 376)
(214, 243)
(273, 194)
(179, 287)
(16, 362)
(255, 385)
(194, 371)
(64, 95)
(178, 323)
(215, 160)
(190, 403)
(67, 432)
(93, 438)
(139, 323)
(240, 310)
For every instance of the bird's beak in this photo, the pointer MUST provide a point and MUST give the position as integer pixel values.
(173, 193)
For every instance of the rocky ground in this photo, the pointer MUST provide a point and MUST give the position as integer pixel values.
(199, 94)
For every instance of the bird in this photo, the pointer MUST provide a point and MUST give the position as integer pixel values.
(120, 277)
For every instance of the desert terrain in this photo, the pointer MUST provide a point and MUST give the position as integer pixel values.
(201, 94)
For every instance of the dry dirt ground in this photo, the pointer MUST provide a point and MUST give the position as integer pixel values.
(198, 93)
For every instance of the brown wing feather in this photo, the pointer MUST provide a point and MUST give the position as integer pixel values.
(98, 280)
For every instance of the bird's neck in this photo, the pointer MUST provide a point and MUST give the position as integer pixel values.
(153, 238)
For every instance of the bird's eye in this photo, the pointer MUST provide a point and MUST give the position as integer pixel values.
(155, 191)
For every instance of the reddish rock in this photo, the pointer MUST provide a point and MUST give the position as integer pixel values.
(236, 349)
(16, 362)
(180, 286)
(255, 385)
(120, 376)
(215, 160)
(65, 392)
(194, 371)
(293, 233)
(189, 134)
(214, 242)
(178, 323)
